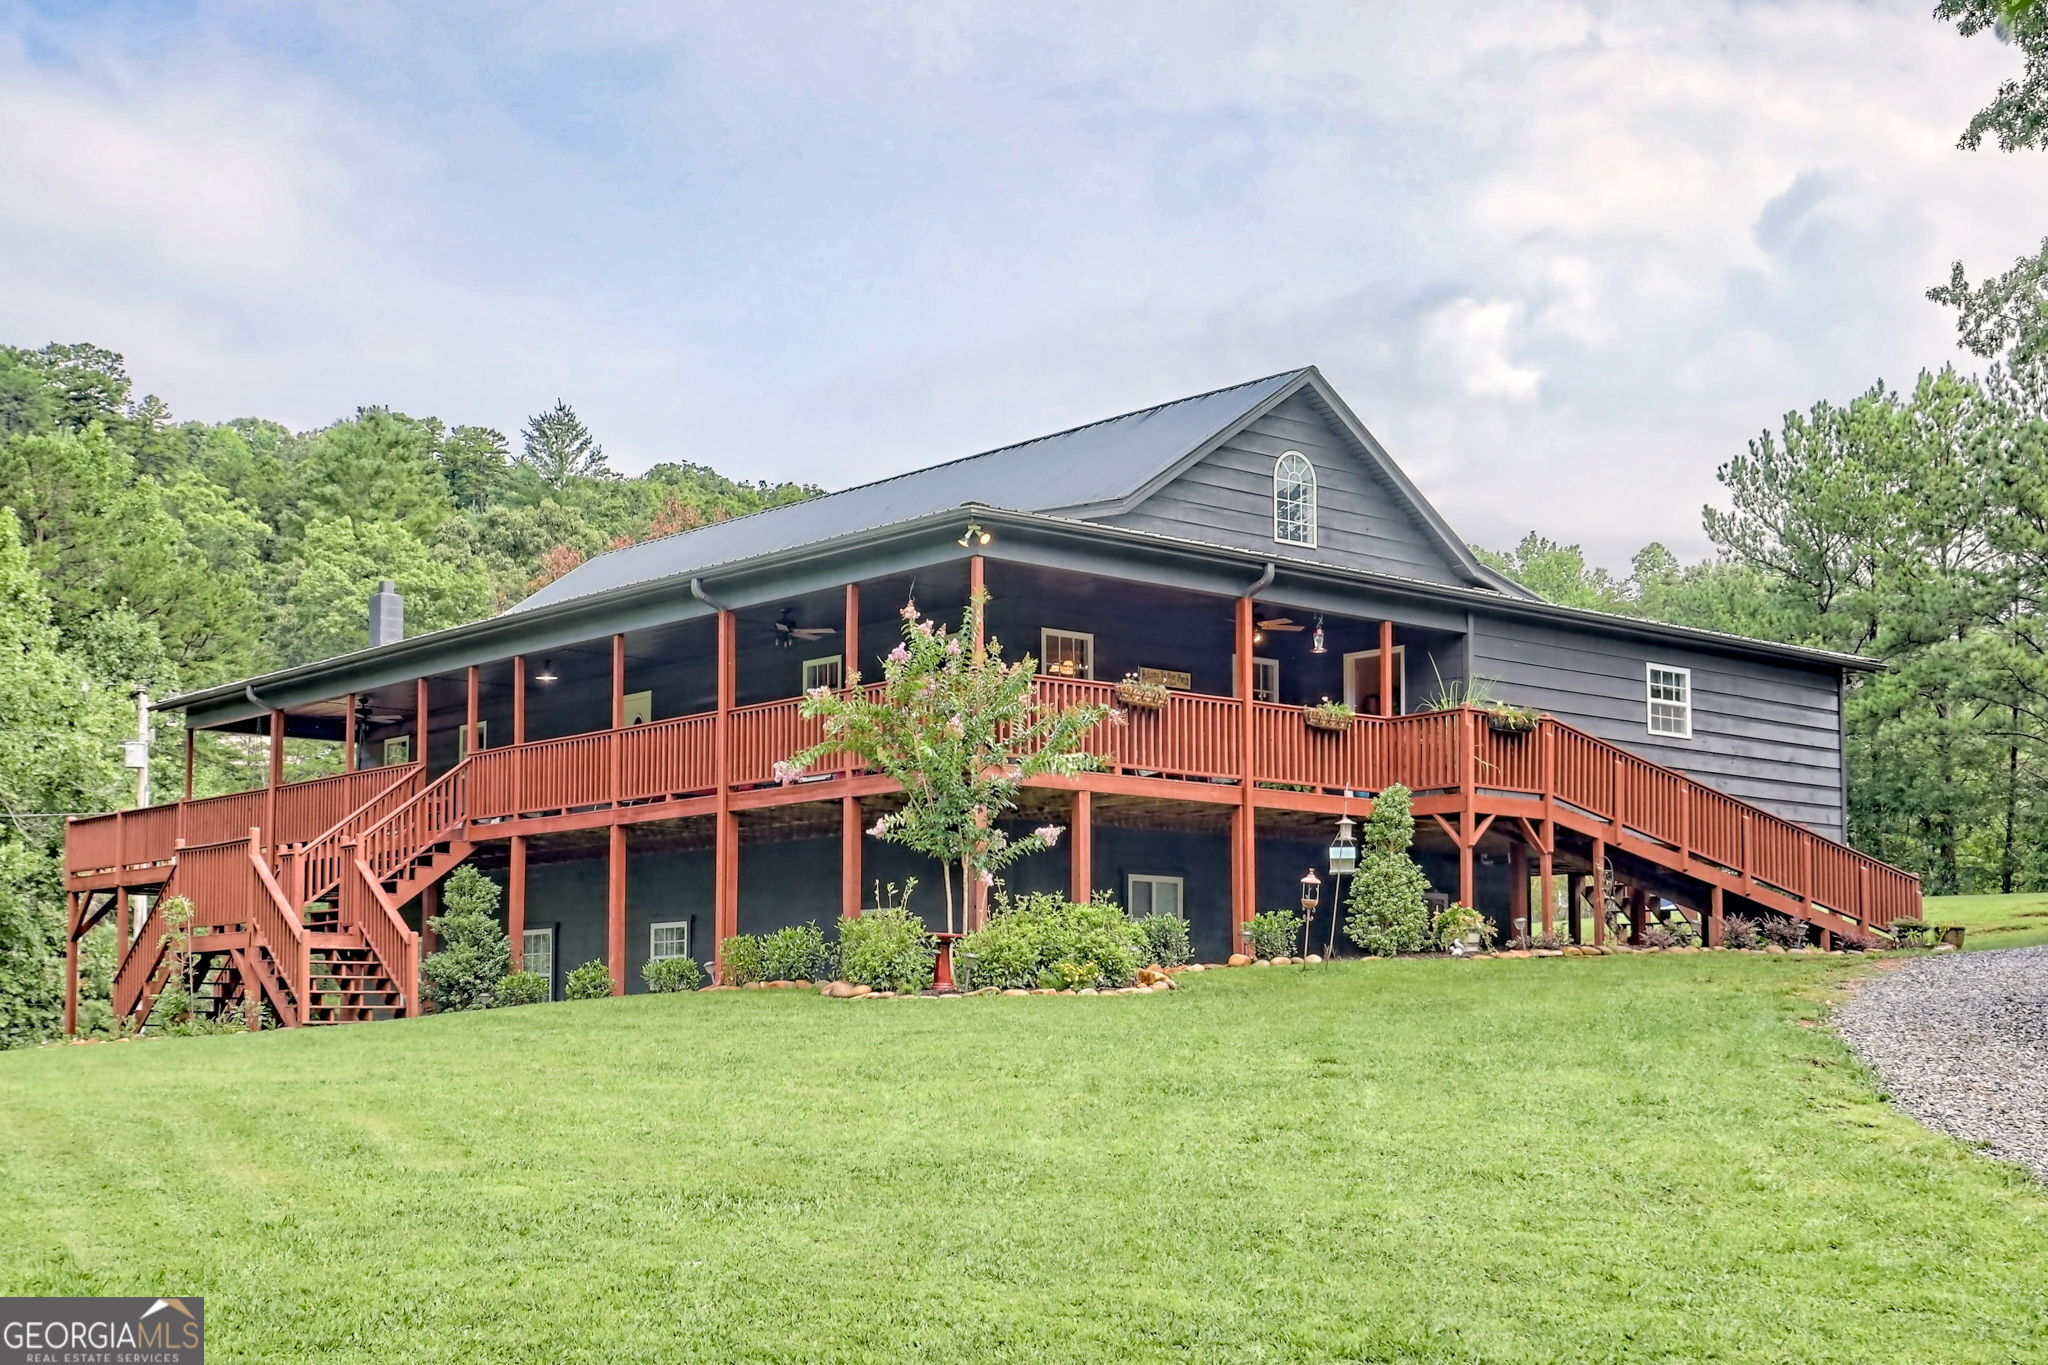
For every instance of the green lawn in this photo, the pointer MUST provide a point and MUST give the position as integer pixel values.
(1994, 921)
(1651, 1158)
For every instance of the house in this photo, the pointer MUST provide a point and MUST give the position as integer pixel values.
(606, 749)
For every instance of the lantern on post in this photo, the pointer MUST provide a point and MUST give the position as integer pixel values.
(1311, 892)
(1344, 849)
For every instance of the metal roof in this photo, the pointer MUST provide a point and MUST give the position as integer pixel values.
(1102, 462)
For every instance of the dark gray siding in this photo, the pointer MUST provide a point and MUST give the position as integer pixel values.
(1227, 499)
(1765, 732)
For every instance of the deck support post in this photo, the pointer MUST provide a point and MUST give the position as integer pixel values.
(515, 902)
(1574, 893)
(123, 931)
(1546, 876)
(1827, 940)
(1244, 885)
(1598, 893)
(725, 848)
(1638, 915)
(974, 895)
(615, 907)
(1711, 930)
(1468, 818)
(1081, 849)
(348, 735)
(71, 965)
(1386, 661)
(430, 908)
(849, 857)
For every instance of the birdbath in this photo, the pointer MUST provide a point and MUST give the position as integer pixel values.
(942, 970)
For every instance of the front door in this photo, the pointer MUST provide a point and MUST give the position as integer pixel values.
(1362, 681)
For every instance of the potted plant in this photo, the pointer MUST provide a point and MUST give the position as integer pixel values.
(1142, 695)
(1329, 715)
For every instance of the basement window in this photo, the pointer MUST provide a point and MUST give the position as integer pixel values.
(1150, 895)
(1066, 654)
(1670, 701)
(537, 955)
(671, 938)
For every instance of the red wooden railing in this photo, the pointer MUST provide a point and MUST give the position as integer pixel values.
(1194, 736)
(365, 907)
(229, 889)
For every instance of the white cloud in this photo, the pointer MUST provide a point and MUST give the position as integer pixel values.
(1471, 338)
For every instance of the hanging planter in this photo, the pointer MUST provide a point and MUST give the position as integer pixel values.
(1142, 695)
(1329, 715)
(1512, 720)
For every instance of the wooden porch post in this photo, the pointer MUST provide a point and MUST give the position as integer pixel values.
(515, 903)
(974, 896)
(71, 965)
(1468, 819)
(849, 857)
(190, 735)
(421, 700)
(1546, 875)
(348, 736)
(1386, 668)
(615, 745)
(1638, 914)
(725, 911)
(615, 905)
(1081, 849)
(1598, 898)
(977, 584)
(1574, 893)
(1244, 821)
(430, 908)
(849, 657)
(123, 931)
(273, 778)
(519, 734)
(469, 714)
(1712, 928)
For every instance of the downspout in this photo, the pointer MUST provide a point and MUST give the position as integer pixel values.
(1265, 580)
(697, 591)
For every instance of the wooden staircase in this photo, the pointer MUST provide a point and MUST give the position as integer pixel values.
(316, 934)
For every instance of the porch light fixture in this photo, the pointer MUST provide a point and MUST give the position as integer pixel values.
(1311, 892)
(1343, 849)
(1315, 641)
(975, 535)
(547, 672)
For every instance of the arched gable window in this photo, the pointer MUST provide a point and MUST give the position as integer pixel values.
(1294, 500)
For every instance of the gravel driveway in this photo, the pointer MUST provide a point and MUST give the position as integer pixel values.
(1961, 1041)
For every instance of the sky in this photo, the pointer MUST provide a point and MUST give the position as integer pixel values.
(1563, 259)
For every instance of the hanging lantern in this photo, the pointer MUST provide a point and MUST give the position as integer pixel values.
(1343, 849)
(1311, 892)
(1316, 644)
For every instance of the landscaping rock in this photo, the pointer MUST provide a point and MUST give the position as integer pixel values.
(1016, 990)
(1087, 990)
(1313, 957)
(1263, 962)
(1548, 952)
(1240, 960)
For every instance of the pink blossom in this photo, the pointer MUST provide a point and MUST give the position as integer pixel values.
(1116, 715)
(988, 878)
(787, 772)
(955, 729)
(879, 827)
(953, 647)
(899, 655)
(909, 612)
(1050, 834)
(819, 693)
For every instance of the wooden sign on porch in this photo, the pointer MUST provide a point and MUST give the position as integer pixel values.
(1172, 679)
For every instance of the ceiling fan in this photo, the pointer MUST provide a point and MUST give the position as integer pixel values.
(367, 714)
(1263, 623)
(788, 632)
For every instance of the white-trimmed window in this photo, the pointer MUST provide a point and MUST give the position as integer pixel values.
(1066, 653)
(1150, 895)
(667, 939)
(1294, 500)
(1265, 678)
(828, 672)
(537, 955)
(1670, 700)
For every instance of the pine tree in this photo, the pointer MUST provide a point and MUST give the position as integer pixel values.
(1388, 912)
(474, 952)
(560, 448)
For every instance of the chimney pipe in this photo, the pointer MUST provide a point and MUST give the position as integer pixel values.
(387, 615)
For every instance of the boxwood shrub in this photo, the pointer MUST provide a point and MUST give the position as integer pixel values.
(672, 974)
(1028, 937)
(591, 981)
(887, 949)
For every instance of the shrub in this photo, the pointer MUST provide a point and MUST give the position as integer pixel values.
(1389, 912)
(1550, 939)
(1785, 931)
(591, 981)
(1274, 932)
(798, 953)
(1857, 941)
(741, 961)
(1163, 940)
(473, 952)
(523, 988)
(1911, 932)
(1740, 931)
(1070, 976)
(888, 950)
(1027, 935)
(1660, 936)
(672, 974)
(1455, 923)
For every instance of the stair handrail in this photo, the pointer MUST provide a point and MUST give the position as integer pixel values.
(316, 855)
(454, 780)
(394, 942)
(277, 925)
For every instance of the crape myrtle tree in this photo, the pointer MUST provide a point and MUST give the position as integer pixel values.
(961, 731)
